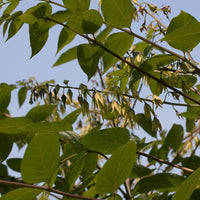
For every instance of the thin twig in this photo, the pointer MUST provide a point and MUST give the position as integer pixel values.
(165, 162)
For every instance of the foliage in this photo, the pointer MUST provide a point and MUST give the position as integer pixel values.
(103, 159)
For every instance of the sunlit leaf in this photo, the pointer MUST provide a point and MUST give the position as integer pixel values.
(5, 94)
(116, 169)
(44, 150)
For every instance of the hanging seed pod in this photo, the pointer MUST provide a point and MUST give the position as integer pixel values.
(80, 99)
(70, 94)
(64, 98)
(50, 97)
(56, 90)
(85, 107)
(47, 87)
(66, 82)
(31, 100)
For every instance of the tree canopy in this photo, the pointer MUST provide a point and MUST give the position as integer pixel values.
(97, 150)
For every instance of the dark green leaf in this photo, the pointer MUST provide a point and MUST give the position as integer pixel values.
(118, 13)
(174, 137)
(66, 36)
(116, 169)
(40, 113)
(183, 32)
(88, 58)
(145, 123)
(5, 93)
(74, 172)
(77, 6)
(139, 171)
(14, 164)
(106, 141)
(21, 194)
(5, 146)
(38, 36)
(3, 170)
(22, 95)
(69, 55)
(34, 14)
(157, 182)
(71, 118)
(188, 186)
(119, 43)
(44, 150)
(12, 125)
(10, 8)
(90, 165)
(89, 22)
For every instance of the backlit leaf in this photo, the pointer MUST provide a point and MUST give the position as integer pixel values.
(106, 141)
(118, 43)
(5, 94)
(183, 32)
(44, 150)
(22, 95)
(14, 164)
(40, 113)
(117, 168)
(77, 6)
(118, 13)
(188, 186)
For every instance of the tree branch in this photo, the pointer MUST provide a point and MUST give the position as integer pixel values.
(124, 60)
(46, 188)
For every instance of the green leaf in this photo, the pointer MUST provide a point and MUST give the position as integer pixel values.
(71, 118)
(66, 36)
(153, 63)
(3, 170)
(174, 137)
(90, 165)
(13, 125)
(5, 146)
(21, 194)
(88, 58)
(5, 94)
(15, 26)
(139, 171)
(74, 172)
(77, 6)
(188, 186)
(183, 32)
(116, 169)
(145, 123)
(88, 22)
(44, 150)
(22, 95)
(34, 14)
(103, 35)
(40, 113)
(10, 8)
(46, 127)
(38, 36)
(118, 43)
(106, 141)
(14, 164)
(118, 13)
(69, 55)
(157, 182)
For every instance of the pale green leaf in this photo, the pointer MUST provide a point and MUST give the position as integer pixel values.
(44, 150)
(116, 169)
(118, 13)
(71, 118)
(106, 141)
